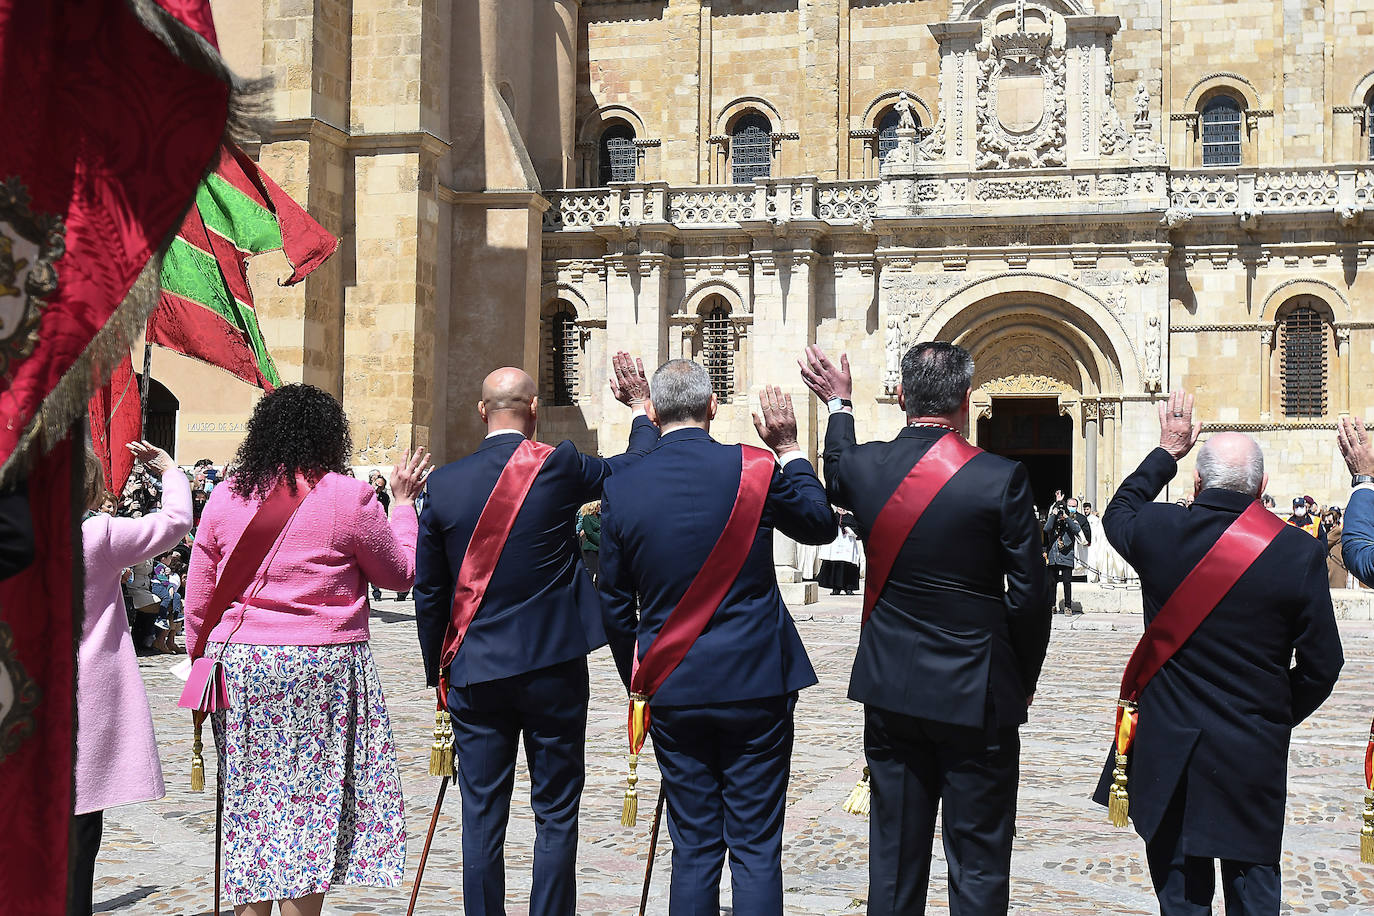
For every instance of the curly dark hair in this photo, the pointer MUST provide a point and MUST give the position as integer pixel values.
(297, 428)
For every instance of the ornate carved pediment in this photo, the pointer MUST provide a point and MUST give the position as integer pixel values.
(1021, 102)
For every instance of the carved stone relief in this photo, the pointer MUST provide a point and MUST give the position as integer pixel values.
(1021, 105)
(1025, 364)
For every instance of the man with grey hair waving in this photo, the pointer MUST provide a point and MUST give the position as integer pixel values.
(1240, 646)
(697, 626)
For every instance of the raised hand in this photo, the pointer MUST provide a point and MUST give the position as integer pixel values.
(1357, 448)
(408, 476)
(629, 384)
(1178, 431)
(778, 425)
(823, 377)
(153, 458)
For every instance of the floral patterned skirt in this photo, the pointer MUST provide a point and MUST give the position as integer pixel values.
(312, 795)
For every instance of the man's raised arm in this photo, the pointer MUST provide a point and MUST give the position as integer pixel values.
(630, 387)
(835, 387)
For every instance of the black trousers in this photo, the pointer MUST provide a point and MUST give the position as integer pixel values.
(1062, 574)
(548, 709)
(1186, 884)
(970, 774)
(86, 833)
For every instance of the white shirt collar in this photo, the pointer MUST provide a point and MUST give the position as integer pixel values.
(504, 432)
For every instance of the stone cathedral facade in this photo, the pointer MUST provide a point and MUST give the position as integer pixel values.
(1101, 200)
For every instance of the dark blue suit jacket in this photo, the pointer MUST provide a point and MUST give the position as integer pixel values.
(1217, 717)
(660, 520)
(1357, 536)
(540, 607)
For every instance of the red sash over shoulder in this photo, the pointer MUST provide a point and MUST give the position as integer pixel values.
(694, 611)
(485, 547)
(1239, 546)
(906, 506)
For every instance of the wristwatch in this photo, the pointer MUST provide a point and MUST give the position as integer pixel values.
(835, 404)
(1359, 479)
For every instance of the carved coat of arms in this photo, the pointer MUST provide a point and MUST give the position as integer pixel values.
(30, 246)
(1021, 103)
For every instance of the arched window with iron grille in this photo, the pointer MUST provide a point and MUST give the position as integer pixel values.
(887, 132)
(1303, 334)
(1369, 123)
(561, 343)
(618, 154)
(751, 148)
(1221, 122)
(718, 351)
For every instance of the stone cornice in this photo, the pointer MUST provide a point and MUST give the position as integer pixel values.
(499, 199)
(318, 128)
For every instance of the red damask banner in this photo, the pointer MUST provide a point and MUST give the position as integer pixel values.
(110, 112)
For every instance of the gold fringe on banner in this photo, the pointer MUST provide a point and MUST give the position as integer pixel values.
(441, 751)
(860, 797)
(1119, 803)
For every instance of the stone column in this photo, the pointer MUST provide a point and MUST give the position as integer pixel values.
(566, 12)
(1266, 361)
(1090, 451)
(1107, 413)
(1342, 399)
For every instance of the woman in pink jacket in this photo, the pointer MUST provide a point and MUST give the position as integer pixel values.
(116, 749)
(312, 795)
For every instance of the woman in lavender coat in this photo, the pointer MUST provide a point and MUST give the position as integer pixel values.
(116, 749)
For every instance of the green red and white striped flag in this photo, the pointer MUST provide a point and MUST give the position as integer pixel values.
(206, 310)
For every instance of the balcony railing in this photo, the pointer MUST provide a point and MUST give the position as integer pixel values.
(1342, 190)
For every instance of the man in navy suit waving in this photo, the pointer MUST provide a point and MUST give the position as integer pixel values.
(506, 615)
(697, 625)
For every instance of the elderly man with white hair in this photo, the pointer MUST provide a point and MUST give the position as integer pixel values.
(1240, 646)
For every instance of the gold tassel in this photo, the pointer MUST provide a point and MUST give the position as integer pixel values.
(1367, 831)
(441, 751)
(629, 811)
(1119, 803)
(197, 758)
(859, 798)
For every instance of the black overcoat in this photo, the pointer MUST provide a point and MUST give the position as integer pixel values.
(1215, 721)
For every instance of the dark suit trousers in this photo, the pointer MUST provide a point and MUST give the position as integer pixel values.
(548, 708)
(725, 770)
(915, 765)
(1185, 884)
(85, 840)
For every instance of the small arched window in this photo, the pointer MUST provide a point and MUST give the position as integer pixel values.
(1221, 122)
(887, 131)
(618, 154)
(751, 148)
(1302, 339)
(560, 349)
(718, 350)
(1369, 123)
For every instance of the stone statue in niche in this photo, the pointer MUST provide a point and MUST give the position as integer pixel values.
(1152, 354)
(1142, 105)
(893, 375)
(905, 121)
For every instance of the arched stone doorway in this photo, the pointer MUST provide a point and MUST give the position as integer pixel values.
(1048, 382)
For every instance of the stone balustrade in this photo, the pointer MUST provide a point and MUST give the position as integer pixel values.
(1244, 193)
(1247, 192)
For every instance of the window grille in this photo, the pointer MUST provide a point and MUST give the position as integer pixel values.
(887, 133)
(618, 155)
(1304, 363)
(1369, 125)
(562, 347)
(1221, 132)
(751, 149)
(718, 352)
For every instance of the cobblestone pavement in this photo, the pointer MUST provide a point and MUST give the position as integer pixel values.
(157, 858)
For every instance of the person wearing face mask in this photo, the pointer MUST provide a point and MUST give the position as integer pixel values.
(1302, 516)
